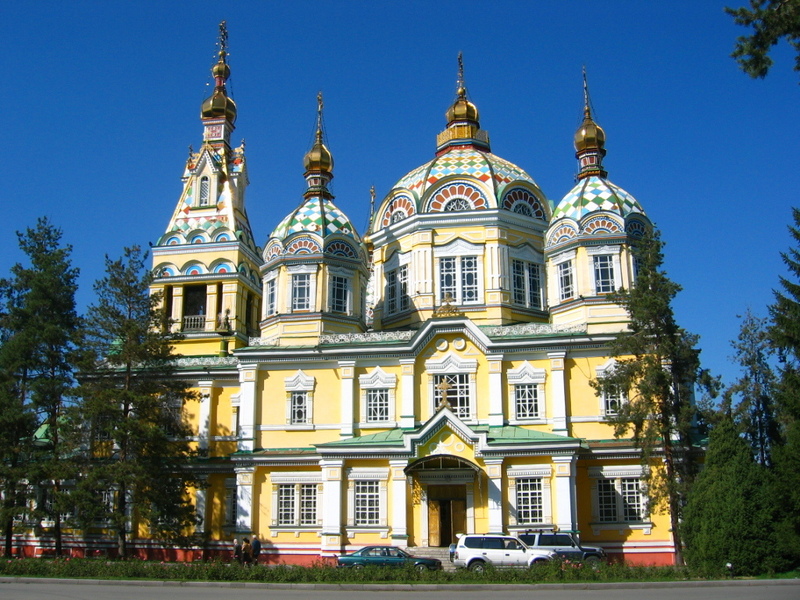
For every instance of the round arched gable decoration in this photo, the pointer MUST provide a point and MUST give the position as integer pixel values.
(303, 245)
(194, 269)
(636, 228)
(224, 267)
(399, 208)
(174, 240)
(521, 201)
(563, 233)
(274, 250)
(439, 462)
(601, 224)
(458, 196)
(166, 271)
(223, 237)
(341, 248)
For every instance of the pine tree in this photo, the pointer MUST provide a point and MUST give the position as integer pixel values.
(658, 367)
(755, 387)
(132, 400)
(731, 509)
(42, 325)
(785, 335)
(771, 20)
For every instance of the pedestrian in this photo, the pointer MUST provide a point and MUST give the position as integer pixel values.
(237, 551)
(256, 545)
(247, 552)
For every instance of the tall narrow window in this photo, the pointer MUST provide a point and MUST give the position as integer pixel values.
(271, 297)
(613, 398)
(204, 191)
(301, 292)
(530, 509)
(397, 299)
(566, 285)
(621, 500)
(339, 294)
(377, 405)
(526, 283)
(366, 503)
(603, 274)
(299, 412)
(526, 400)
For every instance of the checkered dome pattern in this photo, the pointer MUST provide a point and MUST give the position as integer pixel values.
(596, 194)
(316, 215)
(483, 166)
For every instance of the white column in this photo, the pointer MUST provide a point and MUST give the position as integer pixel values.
(247, 407)
(496, 417)
(558, 393)
(203, 427)
(346, 371)
(494, 469)
(407, 389)
(398, 502)
(332, 516)
(565, 509)
(244, 499)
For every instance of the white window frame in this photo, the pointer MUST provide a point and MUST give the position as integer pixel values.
(397, 274)
(311, 272)
(299, 386)
(452, 364)
(378, 380)
(526, 285)
(612, 253)
(524, 375)
(609, 403)
(271, 294)
(566, 281)
(204, 191)
(526, 473)
(374, 478)
(625, 483)
(340, 280)
(462, 254)
(304, 487)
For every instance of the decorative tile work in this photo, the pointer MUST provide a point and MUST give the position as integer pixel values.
(601, 224)
(316, 215)
(520, 200)
(303, 245)
(458, 190)
(341, 248)
(398, 209)
(596, 194)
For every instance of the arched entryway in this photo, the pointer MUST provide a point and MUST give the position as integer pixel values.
(446, 490)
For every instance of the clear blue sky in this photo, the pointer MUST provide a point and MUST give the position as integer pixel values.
(102, 99)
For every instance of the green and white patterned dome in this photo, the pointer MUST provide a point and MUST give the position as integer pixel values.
(316, 215)
(594, 194)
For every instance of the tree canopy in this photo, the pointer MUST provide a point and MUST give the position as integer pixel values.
(771, 20)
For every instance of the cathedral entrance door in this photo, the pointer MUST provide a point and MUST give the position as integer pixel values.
(447, 513)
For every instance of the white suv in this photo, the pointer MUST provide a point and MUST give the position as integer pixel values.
(476, 552)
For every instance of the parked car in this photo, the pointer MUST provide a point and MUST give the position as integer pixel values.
(477, 552)
(386, 556)
(564, 544)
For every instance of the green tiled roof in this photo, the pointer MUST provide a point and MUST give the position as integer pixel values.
(393, 437)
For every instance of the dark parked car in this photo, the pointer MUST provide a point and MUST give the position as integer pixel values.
(564, 544)
(386, 556)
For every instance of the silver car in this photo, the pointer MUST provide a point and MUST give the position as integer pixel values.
(478, 551)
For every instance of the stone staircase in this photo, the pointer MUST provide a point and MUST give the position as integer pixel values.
(443, 554)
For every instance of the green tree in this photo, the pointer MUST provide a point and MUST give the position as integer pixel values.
(658, 367)
(132, 400)
(785, 335)
(771, 21)
(731, 509)
(755, 387)
(41, 328)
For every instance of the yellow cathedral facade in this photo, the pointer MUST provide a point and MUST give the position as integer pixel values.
(427, 377)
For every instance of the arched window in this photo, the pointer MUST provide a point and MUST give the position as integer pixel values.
(458, 205)
(204, 191)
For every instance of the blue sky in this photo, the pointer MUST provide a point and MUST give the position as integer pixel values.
(102, 100)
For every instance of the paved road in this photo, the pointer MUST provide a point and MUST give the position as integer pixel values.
(94, 590)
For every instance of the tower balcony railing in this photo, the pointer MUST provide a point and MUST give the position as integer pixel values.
(194, 323)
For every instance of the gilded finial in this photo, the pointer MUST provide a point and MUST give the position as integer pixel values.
(461, 89)
(590, 140)
(191, 152)
(319, 157)
(587, 112)
(223, 38)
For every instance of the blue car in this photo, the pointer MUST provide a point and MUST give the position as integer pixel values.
(386, 556)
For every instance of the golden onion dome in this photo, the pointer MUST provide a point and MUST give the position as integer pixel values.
(462, 109)
(219, 104)
(221, 69)
(589, 135)
(319, 158)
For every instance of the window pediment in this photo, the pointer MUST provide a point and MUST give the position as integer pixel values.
(299, 382)
(378, 378)
(526, 373)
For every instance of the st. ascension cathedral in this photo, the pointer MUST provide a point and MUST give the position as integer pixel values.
(426, 377)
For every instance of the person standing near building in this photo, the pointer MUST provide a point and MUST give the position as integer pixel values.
(247, 552)
(256, 546)
(237, 551)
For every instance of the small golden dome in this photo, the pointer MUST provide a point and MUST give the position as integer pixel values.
(221, 69)
(462, 109)
(319, 158)
(589, 135)
(219, 105)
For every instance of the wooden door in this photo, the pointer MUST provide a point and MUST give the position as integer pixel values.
(458, 512)
(434, 523)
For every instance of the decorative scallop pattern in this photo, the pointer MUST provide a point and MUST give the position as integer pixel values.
(521, 201)
(562, 234)
(273, 251)
(341, 248)
(397, 210)
(303, 245)
(636, 228)
(444, 198)
(601, 224)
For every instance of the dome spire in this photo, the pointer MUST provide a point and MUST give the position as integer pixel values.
(463, 127)
(318, 161)
(590, 140)
(219, 105)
